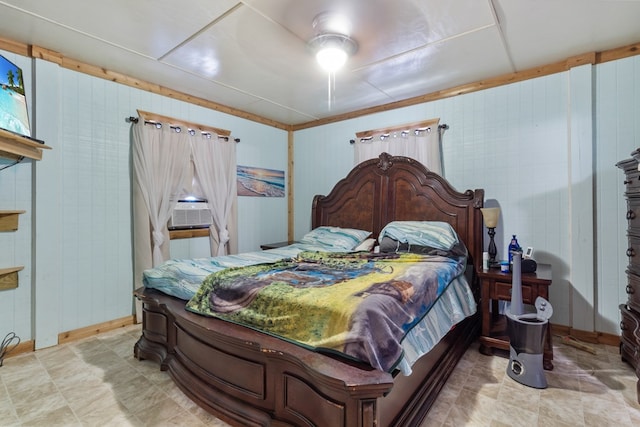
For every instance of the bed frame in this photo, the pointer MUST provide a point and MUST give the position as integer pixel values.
(252, 379)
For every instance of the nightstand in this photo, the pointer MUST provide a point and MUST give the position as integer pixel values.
(496, 286)
(265, 246)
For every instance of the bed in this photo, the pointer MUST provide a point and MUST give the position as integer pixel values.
(246, 377)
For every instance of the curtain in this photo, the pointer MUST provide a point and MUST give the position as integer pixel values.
(160, 164)
(215, 168)
(422, 144)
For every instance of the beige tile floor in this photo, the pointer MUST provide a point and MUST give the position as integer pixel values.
(97, 382)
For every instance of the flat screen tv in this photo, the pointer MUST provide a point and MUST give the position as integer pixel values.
(13, 103)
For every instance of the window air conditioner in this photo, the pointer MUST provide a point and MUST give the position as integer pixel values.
(190, 214)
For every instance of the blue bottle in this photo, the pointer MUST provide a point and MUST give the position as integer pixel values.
(513, 247)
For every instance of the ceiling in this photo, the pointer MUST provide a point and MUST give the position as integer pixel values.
(252, 56)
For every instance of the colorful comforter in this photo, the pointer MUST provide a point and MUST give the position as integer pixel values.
(361, 304)
(182, 278)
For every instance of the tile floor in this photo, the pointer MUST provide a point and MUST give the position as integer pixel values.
(97, 382)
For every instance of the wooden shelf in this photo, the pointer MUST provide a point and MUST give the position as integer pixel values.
(9, 220)
(9, 277)
(189, 233)
(14, 146)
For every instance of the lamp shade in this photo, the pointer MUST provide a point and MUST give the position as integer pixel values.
(490, 216)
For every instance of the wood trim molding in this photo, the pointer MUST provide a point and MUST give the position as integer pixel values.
(65, 337)
(422, 124)
(99, 328)
(15, 47)
(47, 54)
(23, 347)
(586, 336)
(290, 182)
(153, 117)
(618, 53)
(188, 234)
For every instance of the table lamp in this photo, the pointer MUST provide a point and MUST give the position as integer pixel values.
(490, 217)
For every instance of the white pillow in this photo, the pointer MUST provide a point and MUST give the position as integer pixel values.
(367, 245)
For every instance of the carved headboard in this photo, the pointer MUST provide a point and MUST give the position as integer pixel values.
(396, 188)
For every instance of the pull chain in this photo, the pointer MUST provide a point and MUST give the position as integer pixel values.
(331, 88)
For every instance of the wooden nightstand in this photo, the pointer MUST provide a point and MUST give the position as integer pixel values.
(265, 246)
(496, 286)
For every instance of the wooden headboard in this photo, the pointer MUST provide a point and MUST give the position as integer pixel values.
(396, 188)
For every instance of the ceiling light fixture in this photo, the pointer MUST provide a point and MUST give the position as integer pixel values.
(331, 45)
(332, 50)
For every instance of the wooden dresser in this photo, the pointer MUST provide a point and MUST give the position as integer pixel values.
(630, 311)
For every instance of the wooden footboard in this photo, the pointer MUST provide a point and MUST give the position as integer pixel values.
(248, 378)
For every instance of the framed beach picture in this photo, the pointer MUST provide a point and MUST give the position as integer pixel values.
(260, 182)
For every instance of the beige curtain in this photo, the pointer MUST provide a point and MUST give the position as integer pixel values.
(421, 141)
(215, 169)
(161, 159)
(165, 160)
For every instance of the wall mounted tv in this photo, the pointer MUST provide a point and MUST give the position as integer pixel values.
(13, 103)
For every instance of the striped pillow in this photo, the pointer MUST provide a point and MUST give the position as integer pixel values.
(433, 234)
(335, 237)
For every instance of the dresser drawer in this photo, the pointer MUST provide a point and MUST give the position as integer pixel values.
(633, 253)
(503, 292)
(632, 182)
(633, 213)
(630, 343)
(633, 291)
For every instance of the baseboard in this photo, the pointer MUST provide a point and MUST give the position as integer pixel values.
(89, 331)
(22, 347)
(65, 337)
(587, 336)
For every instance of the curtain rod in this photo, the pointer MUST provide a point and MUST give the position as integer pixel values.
(398, 128)
(160, 118)
(404, 130)
(178, 128)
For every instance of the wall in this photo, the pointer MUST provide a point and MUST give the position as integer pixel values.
(262, 220)
(16, 246)
(81, 269)
(543, 150)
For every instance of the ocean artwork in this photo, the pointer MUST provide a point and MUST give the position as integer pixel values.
(260, 182)
(13, 104)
